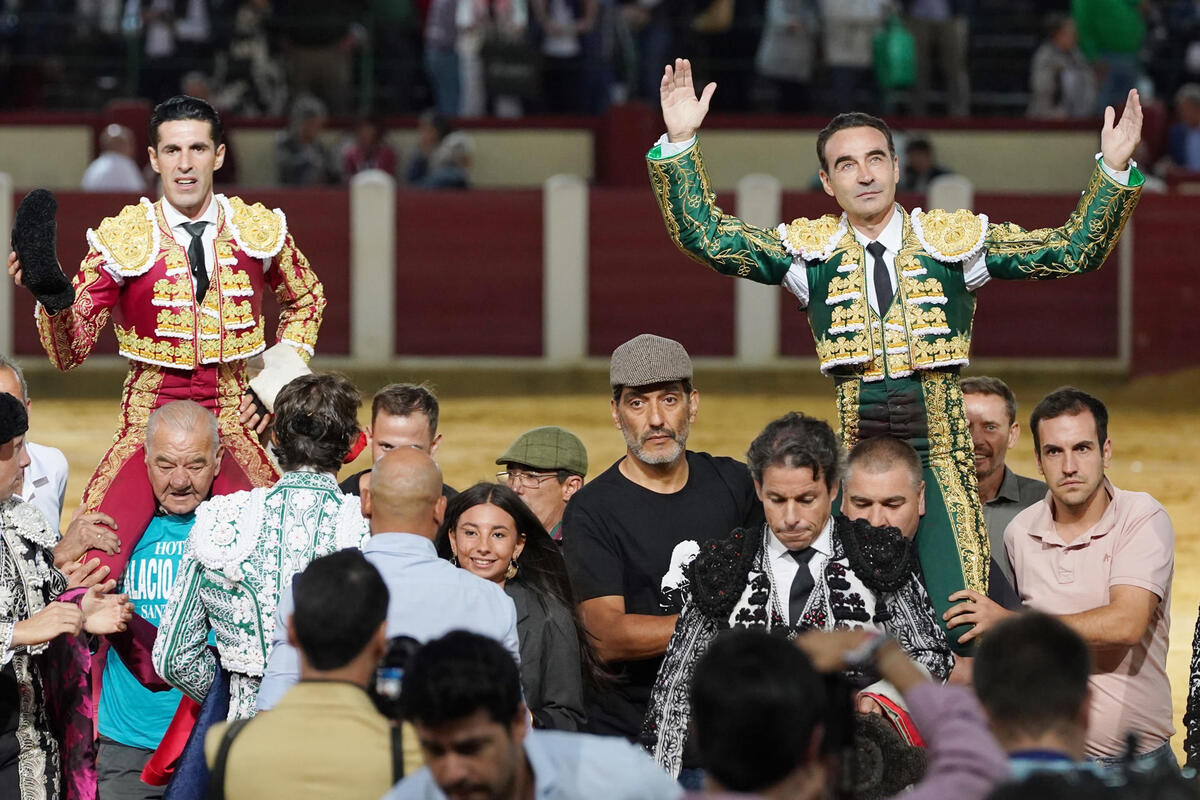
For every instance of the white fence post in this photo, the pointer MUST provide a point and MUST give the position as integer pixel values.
(372, 267)
(564, 269)
(756, 307)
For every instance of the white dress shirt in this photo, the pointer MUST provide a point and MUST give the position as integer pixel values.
(44, 483)
(784, 565)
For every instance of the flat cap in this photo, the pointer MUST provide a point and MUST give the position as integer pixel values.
(648, 359)
(549, 447)
(14, 419)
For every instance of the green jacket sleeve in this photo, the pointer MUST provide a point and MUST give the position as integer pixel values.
(1081, 245)
(706, 234)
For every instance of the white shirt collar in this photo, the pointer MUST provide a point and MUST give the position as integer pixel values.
(891, 237)
(822, 544)
(175, 217)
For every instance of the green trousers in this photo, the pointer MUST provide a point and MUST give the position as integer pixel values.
(926, 410)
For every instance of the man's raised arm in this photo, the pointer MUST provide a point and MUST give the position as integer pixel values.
(686, 199)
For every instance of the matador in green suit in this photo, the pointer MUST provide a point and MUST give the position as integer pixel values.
(890, 296)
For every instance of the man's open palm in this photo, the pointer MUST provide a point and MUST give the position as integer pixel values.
(682, 110)
(1118, 141)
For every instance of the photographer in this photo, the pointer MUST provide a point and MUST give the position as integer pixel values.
(766, 721)
(324, 738)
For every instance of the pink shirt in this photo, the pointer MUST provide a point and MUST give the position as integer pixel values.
(1133, 544)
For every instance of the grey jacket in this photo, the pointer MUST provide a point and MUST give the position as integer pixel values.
(551, 674)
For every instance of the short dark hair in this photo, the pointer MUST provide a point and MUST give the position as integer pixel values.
(1072, 401)
(852, 119)
(1031, 673)
(341, 600)
(316, 422)
(618, 390)
(406, 399)
(986, 384)
(756, 703)
(797, 440)
(182, 107)
(453, 677)
(881, 453)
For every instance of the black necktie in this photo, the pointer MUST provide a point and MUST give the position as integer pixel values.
(883, 278)
(802, 584)
(196, 258)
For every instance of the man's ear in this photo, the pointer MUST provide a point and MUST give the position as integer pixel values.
(433, 446)
(439, 510)
(825, 184)
(220, 456)
(615, 417)
(570, 486)
(693, 405)
(364, 498)
(1014, 433)
(520, 723)
(154, 159)
(921, 500)
(1106, 452)
(291, 628)
(220, 159)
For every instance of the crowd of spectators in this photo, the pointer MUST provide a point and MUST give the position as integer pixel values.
(511, 57)
(487, 646)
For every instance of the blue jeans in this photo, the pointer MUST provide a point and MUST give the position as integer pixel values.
(1151, 758)
(442, 68)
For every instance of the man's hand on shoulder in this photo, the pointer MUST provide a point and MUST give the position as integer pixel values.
(974, 609)
(1119, 140)
(682, 110)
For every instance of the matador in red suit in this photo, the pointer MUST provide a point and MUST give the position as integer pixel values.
(185, 277)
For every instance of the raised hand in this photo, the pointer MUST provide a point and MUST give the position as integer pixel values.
(105, 613)
(14, 268)
(49, 623)
(682, 110)
(1119, 140)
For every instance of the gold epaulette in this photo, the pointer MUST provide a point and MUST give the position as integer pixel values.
(129, 241)
(950, 236)
(812, 239)
(258, 230)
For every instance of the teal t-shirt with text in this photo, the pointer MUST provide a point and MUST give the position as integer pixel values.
(130, 713)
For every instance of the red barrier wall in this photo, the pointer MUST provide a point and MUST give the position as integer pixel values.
(1166, 284)
(469, 273)
(1071, 318)
(639, 282)
(317, 218)
(470, 278)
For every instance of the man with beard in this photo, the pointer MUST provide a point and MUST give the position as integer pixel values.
(992, 414)
(802, 570)
(637, 521)
(462, 694)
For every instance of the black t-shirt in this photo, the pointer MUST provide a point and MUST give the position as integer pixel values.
(621, 539)
(350, 486)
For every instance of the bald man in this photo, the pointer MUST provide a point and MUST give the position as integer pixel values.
(428, 596)
(183, 455)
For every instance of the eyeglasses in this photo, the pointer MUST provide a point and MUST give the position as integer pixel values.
(527, 480)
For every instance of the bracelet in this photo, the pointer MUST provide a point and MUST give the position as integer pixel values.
(865, 653)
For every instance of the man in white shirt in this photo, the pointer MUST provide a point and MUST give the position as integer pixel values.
(114, 170)
(44, 483)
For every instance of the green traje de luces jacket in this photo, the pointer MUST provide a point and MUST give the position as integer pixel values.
(928, 324)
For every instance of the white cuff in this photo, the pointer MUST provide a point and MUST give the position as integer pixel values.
(667, 148)
(1120, 176)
